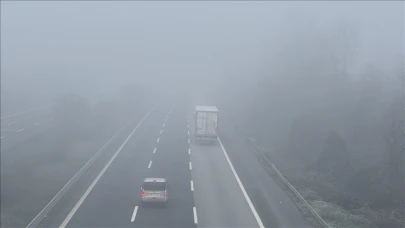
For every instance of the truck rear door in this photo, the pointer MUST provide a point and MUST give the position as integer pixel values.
(206, 123)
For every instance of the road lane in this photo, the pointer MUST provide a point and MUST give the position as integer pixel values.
(226, 206)
(171, 161)
(112, 200)
(18, 128)
(273, 205)
(33, 171)
(218, 197)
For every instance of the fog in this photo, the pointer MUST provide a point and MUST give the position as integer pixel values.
(293, 75)
(92, 47)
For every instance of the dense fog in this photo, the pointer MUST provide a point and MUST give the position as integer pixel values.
(320, 83)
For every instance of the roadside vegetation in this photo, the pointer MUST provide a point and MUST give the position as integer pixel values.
(338, 136)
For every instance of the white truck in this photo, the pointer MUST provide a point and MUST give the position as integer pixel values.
(206, 123)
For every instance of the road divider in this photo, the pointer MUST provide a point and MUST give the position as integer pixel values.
(268, 164)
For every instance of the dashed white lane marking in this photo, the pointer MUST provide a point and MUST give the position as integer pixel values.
(11, 123)
(79, 203)
(15, 114)
(195, 215)
(187, 126)
(22, 129)
(1, 137)
(164, 125)
(154, 150)
(192, 186)
(158, 140)
(134, 214)
(27, 118)
(161, 131)
(36, 124)
(188, 132)
(252, 208)
(150, 164)
(166, 119)
(189, 151)
(188, 141)
(190, 166)
(50, 118)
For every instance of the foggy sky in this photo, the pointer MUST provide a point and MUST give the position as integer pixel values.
(93, 47)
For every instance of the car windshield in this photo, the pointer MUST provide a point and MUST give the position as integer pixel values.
(154, 186)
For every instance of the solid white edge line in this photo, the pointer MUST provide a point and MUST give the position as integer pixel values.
(190, 166)
(189, 151)
(252, 208)
(22, 129)
(154, 150)
(150, 164)
(192, 186)
(134, 214)
(34, 222)
(158, 140)
(161, 131)
(79, 203)
(195, 215)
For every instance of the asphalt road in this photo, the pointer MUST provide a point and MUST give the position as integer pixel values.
(219, 185)
(34, 170)
(158, 148)
(18, 127)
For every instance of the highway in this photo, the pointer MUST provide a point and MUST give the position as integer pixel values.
(219, 185)
(23, 125)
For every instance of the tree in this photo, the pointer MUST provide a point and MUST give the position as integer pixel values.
(395, 137)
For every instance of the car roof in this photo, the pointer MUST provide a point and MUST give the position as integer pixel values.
(154, 180)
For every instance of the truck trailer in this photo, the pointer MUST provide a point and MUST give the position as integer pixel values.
(206, 123)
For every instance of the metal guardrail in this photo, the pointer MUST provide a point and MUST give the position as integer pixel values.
(264, 158)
